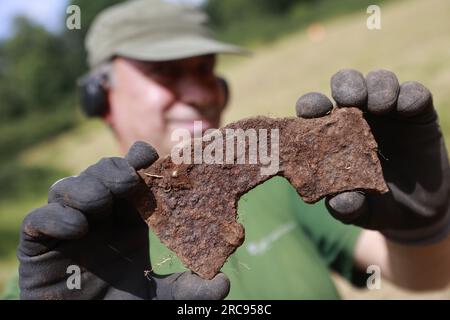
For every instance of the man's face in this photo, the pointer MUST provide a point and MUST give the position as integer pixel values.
(148, 100)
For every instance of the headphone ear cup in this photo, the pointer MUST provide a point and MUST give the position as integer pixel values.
(93, 97)
(226, 89)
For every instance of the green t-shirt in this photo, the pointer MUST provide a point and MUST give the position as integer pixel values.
(288, 251)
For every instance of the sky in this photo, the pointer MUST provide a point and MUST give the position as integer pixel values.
(48, 13)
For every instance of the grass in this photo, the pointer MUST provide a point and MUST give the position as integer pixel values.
(413, 43)
(18, 135)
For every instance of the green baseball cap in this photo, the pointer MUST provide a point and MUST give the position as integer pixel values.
(152, 30)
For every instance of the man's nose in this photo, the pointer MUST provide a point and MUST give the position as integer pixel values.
(195, 92)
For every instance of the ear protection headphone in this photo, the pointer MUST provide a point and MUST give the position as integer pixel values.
(94, 98)
(93, 93)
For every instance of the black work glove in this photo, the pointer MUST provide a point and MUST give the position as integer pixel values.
(89, 223)
(411, 151)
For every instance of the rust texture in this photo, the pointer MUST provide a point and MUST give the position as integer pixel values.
(192, 207)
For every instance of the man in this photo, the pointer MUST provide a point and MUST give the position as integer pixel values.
(153, 72)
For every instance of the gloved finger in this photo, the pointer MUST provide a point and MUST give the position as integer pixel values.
(189, 286)
(348, 89)
(51, 222)
(348, 206)
(414, 99)
(383, 89)
(84, 192)
(118, 174)
(313, 105)
(115, 174)
(141, 155)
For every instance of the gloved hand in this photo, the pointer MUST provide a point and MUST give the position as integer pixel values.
(89, 223)
(411, 151)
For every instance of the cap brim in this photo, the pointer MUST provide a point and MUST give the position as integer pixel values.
(176, 48)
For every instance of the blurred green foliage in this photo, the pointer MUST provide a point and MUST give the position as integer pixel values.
(34, 77)
(223, 13)
(38, 73)
(254, 22)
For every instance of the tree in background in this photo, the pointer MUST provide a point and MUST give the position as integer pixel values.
(33, 77)
(38, 73)
(223, 13)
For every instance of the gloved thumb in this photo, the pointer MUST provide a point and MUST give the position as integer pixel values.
(141, 155)
(189, 286)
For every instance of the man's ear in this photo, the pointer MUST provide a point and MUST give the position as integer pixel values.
(225, 89)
